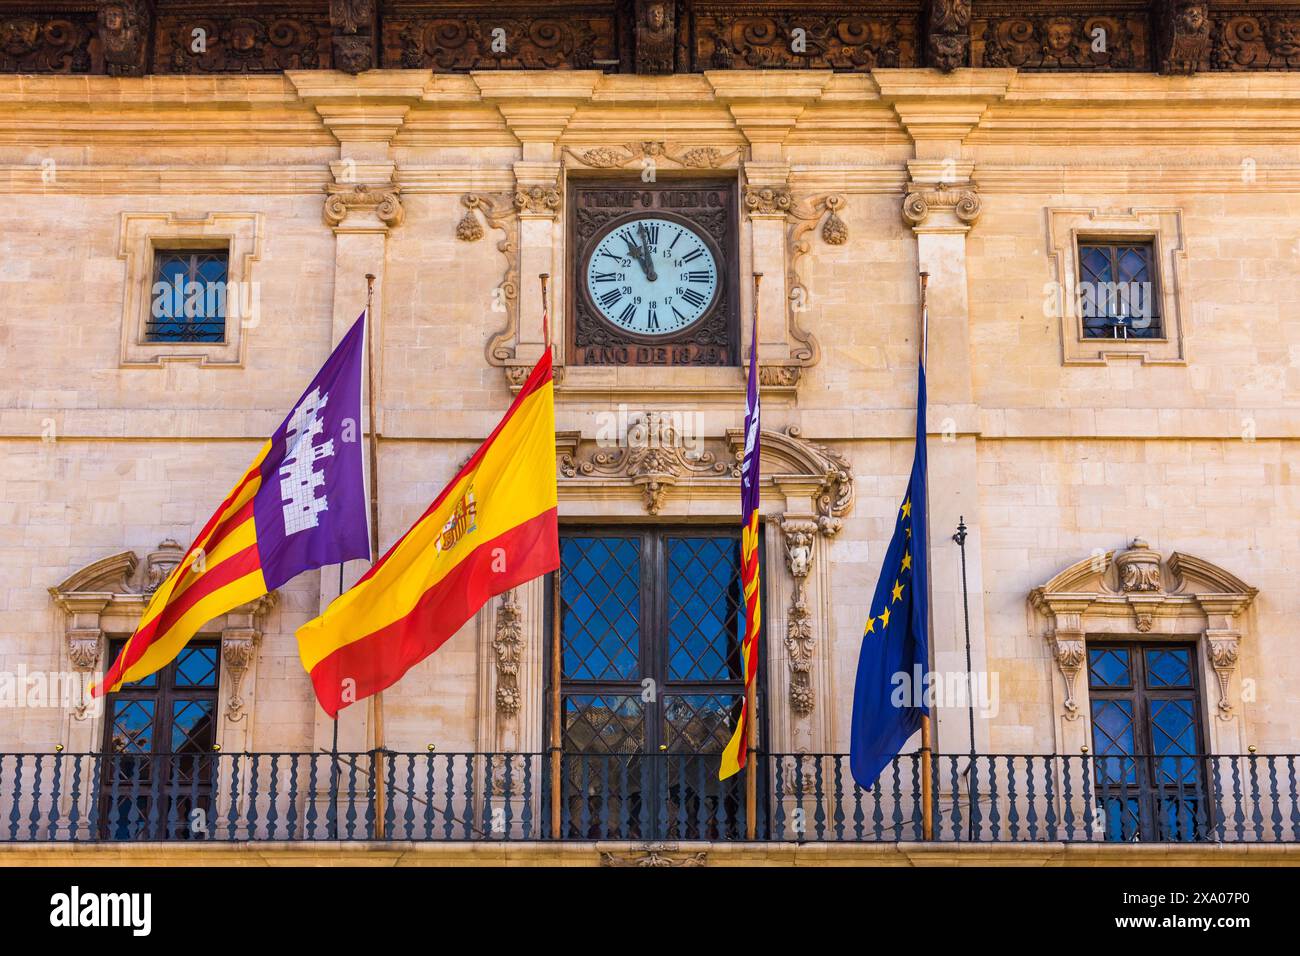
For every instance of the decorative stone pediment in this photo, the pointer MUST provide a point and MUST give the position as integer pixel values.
(109, 595)
(1134, 590)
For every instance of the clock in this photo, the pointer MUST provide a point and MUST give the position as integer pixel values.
(652, 274)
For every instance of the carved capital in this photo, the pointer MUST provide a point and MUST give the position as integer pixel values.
(384, 202)
(768, 200)
(537, 200)
(85, 644)
(921, 201)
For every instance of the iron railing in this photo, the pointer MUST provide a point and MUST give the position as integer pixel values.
(490, 796)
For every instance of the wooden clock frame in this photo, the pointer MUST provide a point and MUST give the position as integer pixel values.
(709, 207)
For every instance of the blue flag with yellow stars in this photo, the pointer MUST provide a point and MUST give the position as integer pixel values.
(889, 696)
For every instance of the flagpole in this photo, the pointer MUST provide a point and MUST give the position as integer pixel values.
(751, 695)
(927, 757)
(555, 633)
(377, 701)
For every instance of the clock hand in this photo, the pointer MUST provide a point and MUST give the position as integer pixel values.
(647, 264)
(635, 252)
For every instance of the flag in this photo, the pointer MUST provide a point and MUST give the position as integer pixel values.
(889, 695)
(301, 505)
(733, 755)
(492, 528)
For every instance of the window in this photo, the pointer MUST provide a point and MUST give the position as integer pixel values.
(1118, 297)
(1146, 734)
(158, 738)
(651, 684)
(188, 296)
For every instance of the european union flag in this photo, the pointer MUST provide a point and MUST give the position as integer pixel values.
(895, 644)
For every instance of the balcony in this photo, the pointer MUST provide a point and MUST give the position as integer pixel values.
(800, 799)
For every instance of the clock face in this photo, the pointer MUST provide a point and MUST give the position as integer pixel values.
(652, 276)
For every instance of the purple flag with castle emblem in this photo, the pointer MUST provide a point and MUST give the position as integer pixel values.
(310, 510)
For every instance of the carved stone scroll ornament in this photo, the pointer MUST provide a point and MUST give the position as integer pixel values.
(805, 215)
(497, 212)
(1070, 653)
(655, 855)
(948, 35)
(507, 646)
(1223, 658)
(383, 201)
(800, 537)
(652, 152)
(238, 650)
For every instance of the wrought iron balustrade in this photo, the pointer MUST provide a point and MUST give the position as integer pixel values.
(434, 796)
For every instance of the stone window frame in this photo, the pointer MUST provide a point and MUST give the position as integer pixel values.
(141, 236)
(1137, 595)
(1163, 228)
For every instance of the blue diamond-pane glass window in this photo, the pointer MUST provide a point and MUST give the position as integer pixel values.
(704, 620)
(1170, 667)
(196, 667)
(1109, 667)
(600, 592)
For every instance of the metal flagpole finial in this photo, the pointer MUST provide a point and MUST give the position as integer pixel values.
(960, 536)
(545, 277)
(370, 288)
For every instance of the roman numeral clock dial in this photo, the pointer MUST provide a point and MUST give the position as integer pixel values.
(652, 277)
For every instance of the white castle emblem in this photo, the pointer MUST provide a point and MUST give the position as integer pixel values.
(298, 479)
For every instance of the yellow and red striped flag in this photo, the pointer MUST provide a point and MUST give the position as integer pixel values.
(492, 528)
(733, 755)
(299, 506)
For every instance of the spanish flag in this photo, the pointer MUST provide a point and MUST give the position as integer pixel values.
(300, 505)
(491, 529)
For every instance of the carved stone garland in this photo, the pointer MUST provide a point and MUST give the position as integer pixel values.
(653, 152)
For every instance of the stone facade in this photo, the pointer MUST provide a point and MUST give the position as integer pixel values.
(449, 189)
